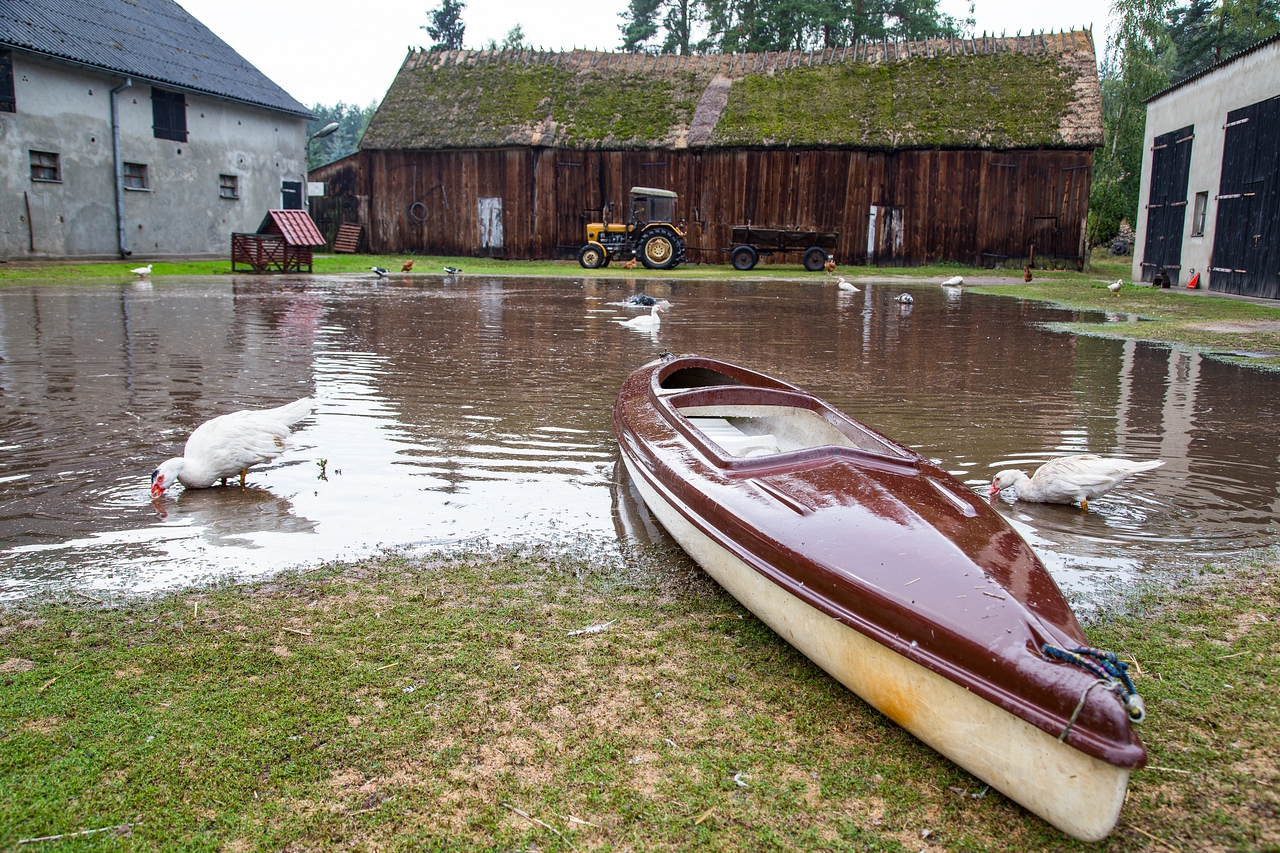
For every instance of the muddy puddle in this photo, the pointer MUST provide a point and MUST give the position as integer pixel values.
(475, 410)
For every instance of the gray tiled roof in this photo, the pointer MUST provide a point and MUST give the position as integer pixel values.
(154, 40)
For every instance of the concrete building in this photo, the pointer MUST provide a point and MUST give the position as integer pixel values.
(1211, 178)
(203, 144)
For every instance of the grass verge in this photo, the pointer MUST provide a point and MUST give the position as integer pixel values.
(33, 271)
(443, 703)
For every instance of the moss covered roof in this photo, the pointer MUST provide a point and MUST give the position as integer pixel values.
(1026, 92)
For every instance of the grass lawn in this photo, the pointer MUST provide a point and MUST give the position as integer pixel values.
(444, 704)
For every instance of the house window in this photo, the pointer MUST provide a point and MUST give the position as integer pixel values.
(44, 166)
(8, 103)
(1199, 214)
(168, 115)
(228, 186)
(135, 176)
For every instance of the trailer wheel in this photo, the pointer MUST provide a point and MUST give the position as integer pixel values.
(660, 249)
(814, 258)
(744, 258)
(592, 256)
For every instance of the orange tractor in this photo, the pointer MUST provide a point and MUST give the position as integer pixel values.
(649, 233)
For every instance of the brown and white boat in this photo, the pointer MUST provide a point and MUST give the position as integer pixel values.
(891, 575)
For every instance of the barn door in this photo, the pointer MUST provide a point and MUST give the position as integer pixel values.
(1246, 226)
(1044, 237)
(489, 215)
(1167, 203)
(884, 235)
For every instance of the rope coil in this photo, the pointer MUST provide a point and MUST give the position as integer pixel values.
(1110, 671)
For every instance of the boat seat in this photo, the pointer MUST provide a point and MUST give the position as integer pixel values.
(734, 441)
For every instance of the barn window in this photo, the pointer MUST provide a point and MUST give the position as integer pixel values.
(45, 166)
(135, 176)
(1199, 214)
(228, 186)
(168, 115)
(8, 101)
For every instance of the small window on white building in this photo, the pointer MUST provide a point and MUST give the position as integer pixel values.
(1199, 214)
(135, 176)
(228, 186)
(44, 166)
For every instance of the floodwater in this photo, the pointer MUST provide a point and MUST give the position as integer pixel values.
(476, 410)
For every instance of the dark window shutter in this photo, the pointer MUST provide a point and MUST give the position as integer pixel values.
(168, 115)
(8, 101)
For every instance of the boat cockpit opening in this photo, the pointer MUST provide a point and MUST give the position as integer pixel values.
(696, 377)
(748, 431)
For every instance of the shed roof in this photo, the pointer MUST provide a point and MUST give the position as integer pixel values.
(1025, 92)
(153, 40)
(296, 226)
(1214, 67)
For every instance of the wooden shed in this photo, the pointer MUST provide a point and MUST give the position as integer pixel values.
(282, 243)
(969, 150)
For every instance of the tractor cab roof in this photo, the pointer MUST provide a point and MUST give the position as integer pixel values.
(650, 191)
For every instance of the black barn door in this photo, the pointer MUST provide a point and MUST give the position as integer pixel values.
(1167, 203)
(1245, 259)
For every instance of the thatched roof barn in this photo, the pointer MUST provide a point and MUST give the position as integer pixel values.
(959, 149)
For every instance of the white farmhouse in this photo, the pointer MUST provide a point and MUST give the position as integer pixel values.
(127, 128)
(1211, 178)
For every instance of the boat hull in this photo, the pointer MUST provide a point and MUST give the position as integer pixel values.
(889, 574)
(1077, 793)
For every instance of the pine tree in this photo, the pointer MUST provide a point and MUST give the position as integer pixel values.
(446, 27)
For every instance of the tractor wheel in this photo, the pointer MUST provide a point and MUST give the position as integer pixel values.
(660, 249)
(744, 258)
(814, 258)
(592, 256)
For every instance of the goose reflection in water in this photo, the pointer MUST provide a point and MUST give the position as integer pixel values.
(230, 516)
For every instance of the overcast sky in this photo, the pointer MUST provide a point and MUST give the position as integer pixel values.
(327, 51)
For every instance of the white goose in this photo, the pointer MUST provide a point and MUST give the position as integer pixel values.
(228, 445)
(1069, 479)
(648, 321)
(846, 286)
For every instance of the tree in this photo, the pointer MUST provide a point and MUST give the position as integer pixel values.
(446, 27)
(513, 40)
(674, 19)
(757, 25)
(352, 121)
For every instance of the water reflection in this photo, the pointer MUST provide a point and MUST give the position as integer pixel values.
(468, 408)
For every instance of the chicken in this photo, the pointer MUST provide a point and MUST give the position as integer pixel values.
(630, 265)
(1026, 273)
(406, 266)
(830, 265)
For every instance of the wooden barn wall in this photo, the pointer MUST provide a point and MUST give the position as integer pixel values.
(974, 207)
(346, 197)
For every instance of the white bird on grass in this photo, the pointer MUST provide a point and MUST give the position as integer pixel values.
(142, 271)
(1069, 479)
(1115, 286)
(846, 286)
(229, 445)
(645, 321)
